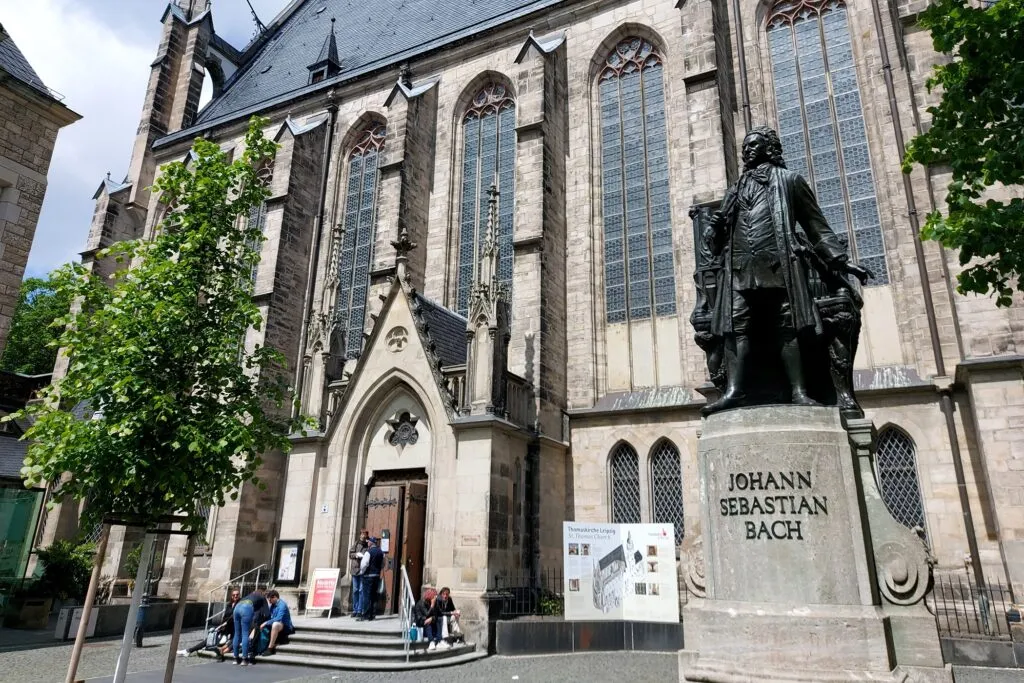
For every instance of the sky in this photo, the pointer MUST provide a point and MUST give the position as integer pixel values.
(97, 53)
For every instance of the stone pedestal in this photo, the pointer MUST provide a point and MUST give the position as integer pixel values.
(790, 580)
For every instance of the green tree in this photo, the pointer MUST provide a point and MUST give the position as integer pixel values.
(31, 344)
(978, 131)
(186, 409)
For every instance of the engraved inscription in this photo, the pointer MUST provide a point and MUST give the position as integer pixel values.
(763, 496)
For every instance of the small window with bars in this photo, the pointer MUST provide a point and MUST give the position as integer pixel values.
(667, 487)
(896, 460)
(624, 470)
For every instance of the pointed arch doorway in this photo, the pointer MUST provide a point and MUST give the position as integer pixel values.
(396, 511)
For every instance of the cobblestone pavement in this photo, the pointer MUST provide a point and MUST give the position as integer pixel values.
(49, 665)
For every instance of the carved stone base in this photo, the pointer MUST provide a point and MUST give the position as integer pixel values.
(796, 588)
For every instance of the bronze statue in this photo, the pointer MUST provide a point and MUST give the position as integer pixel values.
(775, 304)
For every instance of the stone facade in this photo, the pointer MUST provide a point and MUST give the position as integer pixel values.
(30, 117)
(576, 385)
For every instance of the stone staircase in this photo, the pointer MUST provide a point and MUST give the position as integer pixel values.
(342, 643)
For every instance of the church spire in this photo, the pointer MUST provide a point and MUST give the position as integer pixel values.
(328, 63)
(487, 278)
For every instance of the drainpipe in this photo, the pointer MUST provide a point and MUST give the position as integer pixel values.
(945, 393)
(307, 302)
(741, 62)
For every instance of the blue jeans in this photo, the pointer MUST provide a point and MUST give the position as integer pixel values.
(357, 594)
(432, 631)
(243, 624)
(368, 595)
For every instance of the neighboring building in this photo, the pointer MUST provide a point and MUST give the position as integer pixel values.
(31, 115)
(601, 123)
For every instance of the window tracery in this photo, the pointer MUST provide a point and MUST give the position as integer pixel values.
(667, 487)
(358, 228)
(488, 156)
(896, 460)
(624, 470)
(821, 120)
(638, 262)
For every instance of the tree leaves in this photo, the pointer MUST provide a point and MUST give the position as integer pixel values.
(31, 344)
(186, 410)
(978, 131)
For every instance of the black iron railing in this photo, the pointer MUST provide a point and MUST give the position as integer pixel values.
(964, 611)
(523, 595)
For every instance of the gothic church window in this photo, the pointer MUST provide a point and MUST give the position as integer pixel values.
(639, 280)
(667, 487)
(624, 466)
(488, 157)
(821, 120)
(359, 222)
(257, 219)
(896, 461)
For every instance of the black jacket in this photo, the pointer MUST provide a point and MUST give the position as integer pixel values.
(442, 606)
(227, 625)
(420, 611)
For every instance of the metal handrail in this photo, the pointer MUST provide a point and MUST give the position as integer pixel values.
(405, 618)
(239, 581)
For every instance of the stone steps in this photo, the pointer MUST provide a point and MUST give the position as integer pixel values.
(345, 644)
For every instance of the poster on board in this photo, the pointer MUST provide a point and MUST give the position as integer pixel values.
(620, 572)
(322, 586)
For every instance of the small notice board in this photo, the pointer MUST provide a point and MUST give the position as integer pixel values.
(323, 584)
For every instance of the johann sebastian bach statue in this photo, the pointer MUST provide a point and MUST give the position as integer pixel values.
(777, 312)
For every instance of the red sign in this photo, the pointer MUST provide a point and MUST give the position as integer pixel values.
(323, 585)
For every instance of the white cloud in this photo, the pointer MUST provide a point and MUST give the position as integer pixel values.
(103, 77)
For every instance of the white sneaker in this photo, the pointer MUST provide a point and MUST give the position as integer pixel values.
(444, 645)
(432, 646)
(183, 653)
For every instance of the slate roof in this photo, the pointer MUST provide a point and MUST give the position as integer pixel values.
(447, 329)
(12, 457)
(371, 34)
(13, 62)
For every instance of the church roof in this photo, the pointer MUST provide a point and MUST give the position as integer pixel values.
(13, 62)
(445, 328)
(370, 34)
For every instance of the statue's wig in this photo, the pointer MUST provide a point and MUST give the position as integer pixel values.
(774, 144)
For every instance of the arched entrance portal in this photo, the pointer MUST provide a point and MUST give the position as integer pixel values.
(396, 510)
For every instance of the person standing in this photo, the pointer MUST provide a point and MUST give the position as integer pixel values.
(370, 568)
(245, 611)
(355, 556)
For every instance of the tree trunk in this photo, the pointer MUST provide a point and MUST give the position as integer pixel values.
(90, 597)
(179, 613)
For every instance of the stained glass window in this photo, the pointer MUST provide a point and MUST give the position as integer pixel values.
(624, 466)
(359, 223)
(667, 487)
(257, 218)
(897, 477)
(489, 151)
(639, 279)
(821, 121)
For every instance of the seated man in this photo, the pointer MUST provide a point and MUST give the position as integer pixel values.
(225, 630)
(280, 622)
(422, 616)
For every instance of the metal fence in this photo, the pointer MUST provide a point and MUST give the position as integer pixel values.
(964, 611)
(524, 594)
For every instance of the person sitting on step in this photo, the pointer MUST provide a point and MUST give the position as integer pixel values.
(280, 622)
(422, 617)
(444, 611)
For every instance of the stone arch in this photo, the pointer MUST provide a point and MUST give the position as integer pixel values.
(624, 30)
(362, 122)
(474, 86)
(350, 440)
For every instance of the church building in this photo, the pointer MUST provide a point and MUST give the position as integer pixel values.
(479, 264)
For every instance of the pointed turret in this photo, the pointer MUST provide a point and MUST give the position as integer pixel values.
(487, 327)
(327, 64)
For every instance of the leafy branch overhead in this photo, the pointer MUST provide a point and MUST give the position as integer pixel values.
(184, 408)
(978, 131)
